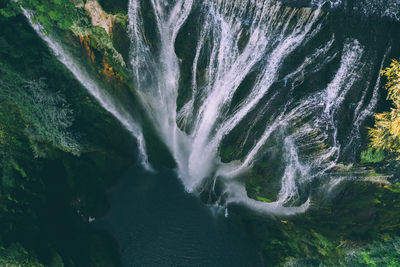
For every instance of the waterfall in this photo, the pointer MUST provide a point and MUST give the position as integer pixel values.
(232, 84)
(233, 41)
(375, 8)
(105, 100)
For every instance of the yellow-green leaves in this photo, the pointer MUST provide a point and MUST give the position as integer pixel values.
(385, 135)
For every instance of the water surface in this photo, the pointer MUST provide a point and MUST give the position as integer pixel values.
(157, 224)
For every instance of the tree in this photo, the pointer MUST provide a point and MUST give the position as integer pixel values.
(10, 9)
(385, 135)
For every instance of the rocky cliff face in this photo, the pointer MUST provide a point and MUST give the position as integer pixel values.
(99, 17)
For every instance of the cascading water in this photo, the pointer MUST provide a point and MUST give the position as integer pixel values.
(373, 8)
(231, 84)
(93, 88)
(196, 100)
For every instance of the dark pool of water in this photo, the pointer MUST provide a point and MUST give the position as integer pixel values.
(157, 224)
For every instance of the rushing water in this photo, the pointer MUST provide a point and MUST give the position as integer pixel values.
(228, 84)
(104, 99)
(197, 101)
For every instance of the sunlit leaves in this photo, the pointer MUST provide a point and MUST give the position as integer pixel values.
(386, 133)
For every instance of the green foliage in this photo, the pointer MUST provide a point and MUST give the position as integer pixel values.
(263, 199)
(17, 256)
(71, 15)
(386, 133)
(50, 117)
(60, 13)
(99, 40)
(336, 232)
(11, 9)
(372, 156)
(263, 179)
(395, 188)
(47, 115)
(19, 189)
(40, 196)
(379, 253)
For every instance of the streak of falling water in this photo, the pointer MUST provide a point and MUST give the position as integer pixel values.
(159, 89)
(105, 100)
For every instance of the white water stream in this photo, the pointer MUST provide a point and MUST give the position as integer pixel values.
(274, 32)
(93, 88)
(306, 128)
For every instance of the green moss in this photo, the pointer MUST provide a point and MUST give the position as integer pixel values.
(16, 255)
(263, 180)
(379, 253)
(9, 9)
(372, 156)
(60, 13)
(325, 246)
(395, 188)
(263, 199)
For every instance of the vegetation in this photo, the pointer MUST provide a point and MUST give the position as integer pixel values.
(358, 223)
(48, 115)
(58, 154)
(385, 136)
(16, 255)
(9, 9)
(71, 16)
(372, 156)
(59, 151)
(379, 253)
(336, 232)
(49, 13)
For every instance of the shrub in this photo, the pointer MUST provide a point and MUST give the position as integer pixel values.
(48, 116)
(385, 135)
(372, 156)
